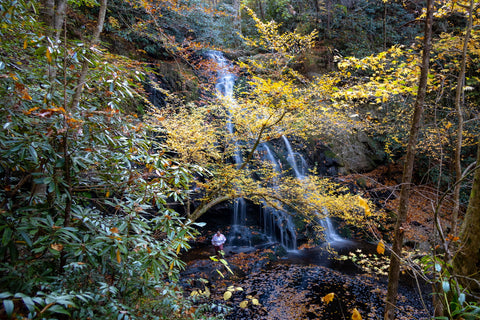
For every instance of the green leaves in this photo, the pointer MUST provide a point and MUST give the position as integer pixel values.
(78, 181)
(8, 305)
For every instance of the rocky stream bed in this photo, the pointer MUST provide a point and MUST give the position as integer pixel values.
(293, 286)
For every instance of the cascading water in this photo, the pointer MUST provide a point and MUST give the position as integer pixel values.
(296, 160)
(278, 225)
(240, 235)
(328, 229)
(300, 168)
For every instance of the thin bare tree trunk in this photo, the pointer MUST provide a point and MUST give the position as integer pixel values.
(93, 42)
(48, 12)
(394, 271)
(53, 14)
(59, 18)
(385, 26)
(459, 110)
(75, 101)
(237, 19)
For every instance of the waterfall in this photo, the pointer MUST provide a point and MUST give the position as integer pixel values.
(278, 225)
(240, 235)
(328, 229)
(300, 168)
(296, 160)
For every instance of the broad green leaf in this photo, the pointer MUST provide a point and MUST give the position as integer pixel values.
(7, 236)
(9, 306)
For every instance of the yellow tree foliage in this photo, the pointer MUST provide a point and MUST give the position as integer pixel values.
(278, 102)
(283, 49)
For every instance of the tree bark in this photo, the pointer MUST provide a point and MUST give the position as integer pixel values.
(467, 261)
(207, 206)
(59, 18)
(93, 42)
(47, 12)
(237, 19)
(53, 14)
(394, 271)
(459, 110)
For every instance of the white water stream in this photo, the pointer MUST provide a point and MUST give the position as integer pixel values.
(299, 166)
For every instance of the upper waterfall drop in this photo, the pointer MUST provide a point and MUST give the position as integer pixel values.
(278, 225)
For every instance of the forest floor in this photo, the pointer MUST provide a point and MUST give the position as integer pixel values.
(382, 187)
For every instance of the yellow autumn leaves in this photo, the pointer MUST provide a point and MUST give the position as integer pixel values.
(362, 203)
(381, 247)
(329, 298)
(249, 298)
(245, 303)
(356, 315)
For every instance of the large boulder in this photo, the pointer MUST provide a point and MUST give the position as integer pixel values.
(357, 152)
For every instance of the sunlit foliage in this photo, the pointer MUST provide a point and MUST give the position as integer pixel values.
(273, 103)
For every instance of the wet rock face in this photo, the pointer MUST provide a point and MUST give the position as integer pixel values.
(358, 153)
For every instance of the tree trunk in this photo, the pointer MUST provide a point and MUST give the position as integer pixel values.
(394, 271)
(385, 26)
(94, 41)
(47, 13)
(237, 19)
(260, 10)
(204, 207)
(467, 261)
(459, 110)
(59, 18)
(53, 14)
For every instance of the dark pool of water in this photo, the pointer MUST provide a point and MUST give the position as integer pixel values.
(292, 286)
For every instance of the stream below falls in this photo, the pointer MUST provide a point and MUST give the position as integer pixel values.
(292, 286)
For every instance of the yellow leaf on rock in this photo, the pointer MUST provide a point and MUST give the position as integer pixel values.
(227, 295)
(194, 293)
(328, 298)
(381, 247)
(206, 292)
(244, 304)
(356, 315)
(255, 302)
